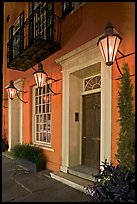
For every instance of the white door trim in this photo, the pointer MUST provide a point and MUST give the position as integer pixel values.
(80, 58)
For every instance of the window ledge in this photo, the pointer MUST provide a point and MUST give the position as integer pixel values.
(49, 148)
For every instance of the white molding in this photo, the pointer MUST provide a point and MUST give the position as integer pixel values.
(76, 60)
(78, 50)
(64, 169)
(33, 111)
(9, 123)
(19, 86)
(65, 124)
(42, 146)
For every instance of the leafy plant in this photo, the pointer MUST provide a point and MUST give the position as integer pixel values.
(30, 153)
(113, 184)
(5, 145)
(126, 141)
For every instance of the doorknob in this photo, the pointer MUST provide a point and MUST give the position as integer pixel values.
(84, 137)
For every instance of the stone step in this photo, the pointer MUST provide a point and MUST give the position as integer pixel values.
(71, 180)
(81, 174)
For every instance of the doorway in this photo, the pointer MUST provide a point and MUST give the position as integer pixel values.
(91, 130)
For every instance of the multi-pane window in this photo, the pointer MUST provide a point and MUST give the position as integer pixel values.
(43, 105)
(16, 36)
(41, 20)
(66, 7)
(91, 83)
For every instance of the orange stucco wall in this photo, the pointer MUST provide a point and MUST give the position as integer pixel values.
(78, 28)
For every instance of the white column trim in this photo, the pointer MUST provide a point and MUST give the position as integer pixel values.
(19, 85)
(9, 124)
(65, 123)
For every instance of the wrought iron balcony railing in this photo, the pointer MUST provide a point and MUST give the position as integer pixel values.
(35, 40)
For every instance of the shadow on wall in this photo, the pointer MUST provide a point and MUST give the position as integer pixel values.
(70, 25)
(5, 145)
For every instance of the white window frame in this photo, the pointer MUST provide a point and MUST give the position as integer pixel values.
(34, 124)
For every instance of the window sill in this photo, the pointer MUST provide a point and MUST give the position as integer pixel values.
(49, 148)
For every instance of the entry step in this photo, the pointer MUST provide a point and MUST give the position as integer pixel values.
(83, 172)
(71, 180)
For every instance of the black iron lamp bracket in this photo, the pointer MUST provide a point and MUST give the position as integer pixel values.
(4, 106)
(19, 97)
(22, 91)
(52, 90)
(123, 56)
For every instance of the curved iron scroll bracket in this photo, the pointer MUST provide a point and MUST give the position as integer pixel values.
(52, 90)
(123, 56)
(20, 98)
(4, 106)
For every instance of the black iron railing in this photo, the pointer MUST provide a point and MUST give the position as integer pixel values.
(40, 34)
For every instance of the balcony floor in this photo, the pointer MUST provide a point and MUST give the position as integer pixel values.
(32, 55)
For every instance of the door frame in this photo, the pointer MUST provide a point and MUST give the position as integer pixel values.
(78, 59)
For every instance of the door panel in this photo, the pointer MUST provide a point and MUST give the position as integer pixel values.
(91, 130)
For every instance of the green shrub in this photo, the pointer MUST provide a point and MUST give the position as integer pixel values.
(30, 153)
(113, 184)
(126, 140)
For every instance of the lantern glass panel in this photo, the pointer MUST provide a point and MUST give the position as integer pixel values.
(104, 49)
(111, 41)
(40, 79)
(116, 48)
(11, 92)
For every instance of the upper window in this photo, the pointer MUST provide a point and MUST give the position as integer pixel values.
(76, 5)
(40, 20)
(16, 25)
(42, 121)
(16, 35)
(66, 8)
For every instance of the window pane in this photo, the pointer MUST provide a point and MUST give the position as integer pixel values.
(40, 100)
(39, 109)
(36, 92)
(37, 136)
(37, 130)
(43, 108)
(36, 100)
(36, 110)
(40, 118)
(37, 118)
(47, 108)
(44, 118)
(44, 90)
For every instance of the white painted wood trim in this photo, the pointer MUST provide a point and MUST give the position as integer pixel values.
(19, 85)
(9, 124)
(78, 50)
(65, 123)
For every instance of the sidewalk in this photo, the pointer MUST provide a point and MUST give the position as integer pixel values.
(19, 185)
